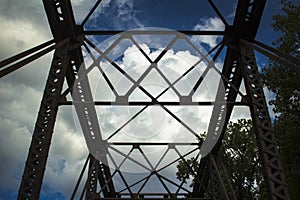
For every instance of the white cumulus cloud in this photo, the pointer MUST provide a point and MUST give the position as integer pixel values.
(209, 24)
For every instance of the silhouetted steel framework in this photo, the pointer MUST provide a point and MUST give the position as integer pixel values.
(239, 64)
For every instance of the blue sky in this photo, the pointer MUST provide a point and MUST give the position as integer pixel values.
(25, 25)
(176, 15)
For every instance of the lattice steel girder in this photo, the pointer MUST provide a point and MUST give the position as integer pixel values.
(42, 135)
(61, 19)
(35, 166)
(247, 18)
(217, 185)
(200, 186)
(245, 25)
(221, 113)
(87, 116)
(285, 59)
(68, 59)
(62, 24)
(269, 155)
(92, 180)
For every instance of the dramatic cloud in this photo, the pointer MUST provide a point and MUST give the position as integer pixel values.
(67, 155)
(81, 8)
(24, 25)
(209, 24)
(15, 138)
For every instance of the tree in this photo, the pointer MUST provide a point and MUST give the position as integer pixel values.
(241, 159)
(285, 84)
(239, 154)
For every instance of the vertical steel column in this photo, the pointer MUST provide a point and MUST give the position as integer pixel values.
(217, 185)
(85, 109)
(271, 163)
(41, 139)
(98, 173)
(91, 184)
(220, 116)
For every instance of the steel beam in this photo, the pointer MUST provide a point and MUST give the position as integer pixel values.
(217, 186)
(145, 103)
(65, 62)
(84, 107)
(152, 32)
(25, 53)
(285, 59)
(59, 17)
(40, 144)
(269, 155)
(30, 58)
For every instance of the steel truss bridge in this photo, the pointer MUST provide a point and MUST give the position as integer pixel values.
(71, 42)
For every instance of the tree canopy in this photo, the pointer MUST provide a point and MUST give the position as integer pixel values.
(285, 84)
(239, 154)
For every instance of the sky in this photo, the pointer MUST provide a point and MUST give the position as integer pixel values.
(24, 25)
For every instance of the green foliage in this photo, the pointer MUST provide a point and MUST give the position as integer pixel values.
(185, 169)
(279, 79)
(239, 154)
(285, 84)
(288, 24)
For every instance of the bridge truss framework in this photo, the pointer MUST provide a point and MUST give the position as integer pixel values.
(240, 64)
